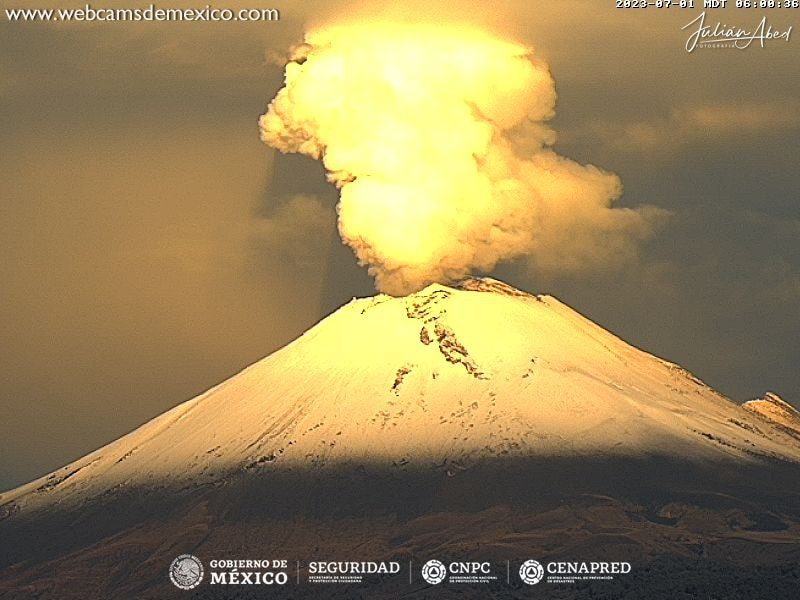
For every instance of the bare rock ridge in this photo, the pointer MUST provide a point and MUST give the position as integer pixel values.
(431, 312)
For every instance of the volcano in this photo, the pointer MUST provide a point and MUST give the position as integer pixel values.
(456, 421)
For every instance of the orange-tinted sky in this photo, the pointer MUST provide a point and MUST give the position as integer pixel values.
(154, 246)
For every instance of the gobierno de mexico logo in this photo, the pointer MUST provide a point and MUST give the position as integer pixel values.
(186, 572)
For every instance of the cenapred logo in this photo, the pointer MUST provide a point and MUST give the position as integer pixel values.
(434, 572)
(186, 572)
(531, 572)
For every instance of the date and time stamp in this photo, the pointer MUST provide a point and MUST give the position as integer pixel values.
(707, 4)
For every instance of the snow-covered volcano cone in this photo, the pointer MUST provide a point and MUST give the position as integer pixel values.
(443, 378)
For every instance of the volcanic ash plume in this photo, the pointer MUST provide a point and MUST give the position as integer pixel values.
(436, 138)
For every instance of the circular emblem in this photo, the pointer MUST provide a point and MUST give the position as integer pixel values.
(434, 572)
(186, 572)
(531, 572)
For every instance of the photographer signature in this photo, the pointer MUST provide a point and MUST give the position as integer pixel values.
(731, 35)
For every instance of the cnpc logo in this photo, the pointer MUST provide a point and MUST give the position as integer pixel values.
(435, 571)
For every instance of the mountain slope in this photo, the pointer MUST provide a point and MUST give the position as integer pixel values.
(441, 379)
(773, 408)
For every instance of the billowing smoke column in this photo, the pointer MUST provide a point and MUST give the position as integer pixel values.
(435, 137)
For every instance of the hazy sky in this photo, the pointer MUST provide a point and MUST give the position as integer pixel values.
(153, 246)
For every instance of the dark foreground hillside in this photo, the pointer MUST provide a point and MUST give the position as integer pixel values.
(730, 531)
